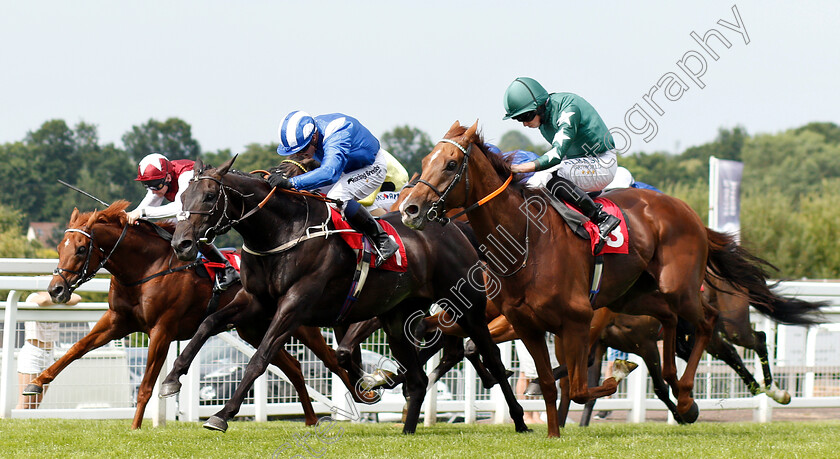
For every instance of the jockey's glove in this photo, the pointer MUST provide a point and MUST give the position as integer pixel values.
(279, 181)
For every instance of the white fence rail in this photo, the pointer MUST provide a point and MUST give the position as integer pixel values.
(806, 362)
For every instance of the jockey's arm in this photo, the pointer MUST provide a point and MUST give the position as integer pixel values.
(336, 148)
(567, 121)
(171, 209)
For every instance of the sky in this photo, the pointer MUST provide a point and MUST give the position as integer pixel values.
(233, 70)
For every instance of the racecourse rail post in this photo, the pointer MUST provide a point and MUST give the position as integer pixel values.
(431, 393)
(8, 382)
(637, 390)
(501, 414)
(469, 394)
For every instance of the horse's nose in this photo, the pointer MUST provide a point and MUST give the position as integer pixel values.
(57, 293)
(183, 246)
(412, 211)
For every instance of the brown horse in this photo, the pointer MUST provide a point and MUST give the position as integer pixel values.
(299, 276)
(151, 292)
(547, 288)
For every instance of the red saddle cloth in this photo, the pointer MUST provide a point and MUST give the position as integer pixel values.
(618, 241)
(231, 255)
(397, 263)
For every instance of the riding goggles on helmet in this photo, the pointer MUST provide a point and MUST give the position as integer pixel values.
(154, 185)
(526, 117)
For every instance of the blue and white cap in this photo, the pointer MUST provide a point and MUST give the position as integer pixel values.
(295, 132)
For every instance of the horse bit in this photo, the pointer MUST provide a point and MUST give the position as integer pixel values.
(84, 276)
(437, 211)
(218, 228)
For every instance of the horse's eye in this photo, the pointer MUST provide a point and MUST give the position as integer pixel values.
(450, 166)
(81, 250)
(209, 197)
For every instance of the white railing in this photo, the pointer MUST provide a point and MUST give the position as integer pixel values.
(806, 363)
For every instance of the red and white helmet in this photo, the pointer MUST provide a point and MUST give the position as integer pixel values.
(153, 167)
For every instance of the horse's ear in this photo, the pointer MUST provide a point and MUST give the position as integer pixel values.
(471, 131)
(74, 215)
(199, 166)
(223, 169)
(454, 126)
(92, 218)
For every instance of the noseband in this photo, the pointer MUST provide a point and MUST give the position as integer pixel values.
(84, 275)
(219, 227)
(437, 211)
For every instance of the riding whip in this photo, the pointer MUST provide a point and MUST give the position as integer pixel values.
(84, 193)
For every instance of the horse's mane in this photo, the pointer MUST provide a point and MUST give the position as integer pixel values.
(115, 213)
(500, 164)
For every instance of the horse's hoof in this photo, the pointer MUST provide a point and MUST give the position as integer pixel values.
(32, 389)
(780, 396)
(690, 416)
(378, 378)
(216, 423)
(523, 429)
(533, 389)
(622, 368)
(169, 389)
(369, 397)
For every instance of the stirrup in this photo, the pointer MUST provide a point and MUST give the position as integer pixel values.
(382, 257)
(225, 279)
(605, 233)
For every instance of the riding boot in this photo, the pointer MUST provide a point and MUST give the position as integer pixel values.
(224, 277)
(567, 191)
(360, 219)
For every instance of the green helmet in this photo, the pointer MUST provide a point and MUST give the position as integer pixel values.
(523, 95)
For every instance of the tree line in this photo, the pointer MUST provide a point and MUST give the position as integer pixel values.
(789, 186)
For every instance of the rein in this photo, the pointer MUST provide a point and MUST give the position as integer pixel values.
(437, 211)
(322, 230)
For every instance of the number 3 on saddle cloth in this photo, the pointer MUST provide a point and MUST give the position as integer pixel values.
(619, 240)
(397, 263)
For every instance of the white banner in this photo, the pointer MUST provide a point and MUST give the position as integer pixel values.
(725, 196)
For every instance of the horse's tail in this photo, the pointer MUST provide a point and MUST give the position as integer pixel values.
(735, 265)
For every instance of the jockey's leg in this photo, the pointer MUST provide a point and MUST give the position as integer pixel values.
(567, 191)
(360, 219)
(224, 277)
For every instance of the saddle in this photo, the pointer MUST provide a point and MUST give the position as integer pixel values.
(207, 269)
(580, 225)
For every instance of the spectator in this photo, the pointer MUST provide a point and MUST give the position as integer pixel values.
(37, 354)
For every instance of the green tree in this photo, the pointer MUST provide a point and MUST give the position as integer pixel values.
(409, 145)
(13, 243)
(53, 153)
(171, 138)
(258, 157)
(515, 140)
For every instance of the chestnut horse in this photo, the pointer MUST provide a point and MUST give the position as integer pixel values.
(300, 276)
(154, 293)
(547, 288)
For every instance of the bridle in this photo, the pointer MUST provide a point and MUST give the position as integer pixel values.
(437, 211)
(84, 275)
(219, 227)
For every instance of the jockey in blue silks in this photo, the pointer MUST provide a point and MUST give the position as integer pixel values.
(352, 167)
(624, 179)
(519, 157)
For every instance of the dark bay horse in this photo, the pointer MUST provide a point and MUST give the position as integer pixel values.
(151, 292)
(302, 277)
(547, 286)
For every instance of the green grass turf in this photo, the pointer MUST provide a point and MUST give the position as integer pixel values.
(84, 438)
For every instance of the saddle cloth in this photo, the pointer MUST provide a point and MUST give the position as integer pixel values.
(619, 239)
(231, 255)
(397, 263)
